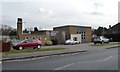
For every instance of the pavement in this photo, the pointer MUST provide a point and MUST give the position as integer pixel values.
(68, 49)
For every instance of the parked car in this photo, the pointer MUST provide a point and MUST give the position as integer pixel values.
(14, 42)
(71, 42)
(28, 43)
(101, 39)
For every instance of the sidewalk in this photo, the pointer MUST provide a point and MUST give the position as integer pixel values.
(73, 49)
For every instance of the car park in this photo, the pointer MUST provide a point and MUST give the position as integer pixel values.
(71, 42)
(28, 43)
(100, 39)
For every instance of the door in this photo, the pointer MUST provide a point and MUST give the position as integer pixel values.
(27, 44)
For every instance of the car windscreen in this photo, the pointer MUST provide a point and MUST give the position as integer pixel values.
(96, 37)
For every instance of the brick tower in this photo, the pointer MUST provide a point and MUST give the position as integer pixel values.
(19, 26)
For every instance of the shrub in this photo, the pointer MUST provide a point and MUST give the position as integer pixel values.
(55, 41)
(48, 43)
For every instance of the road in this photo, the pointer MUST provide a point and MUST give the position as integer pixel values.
(106, 59)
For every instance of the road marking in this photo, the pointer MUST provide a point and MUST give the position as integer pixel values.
(107, 58)
(39, 58)
(64, 66)
(0, 62)
(75, 53)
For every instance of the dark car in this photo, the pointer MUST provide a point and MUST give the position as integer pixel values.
(28, 43)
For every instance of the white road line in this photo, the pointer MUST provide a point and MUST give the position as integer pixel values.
(39, 58)
(107, 58)
(0, 62)
(75, 53)
(64, 66)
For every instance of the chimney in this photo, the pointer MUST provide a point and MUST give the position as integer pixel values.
(19, 26)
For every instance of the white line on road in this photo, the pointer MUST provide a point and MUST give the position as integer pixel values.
(107, 58)
(83, 62)
(75, 53)
(64, 66)
(39, 58)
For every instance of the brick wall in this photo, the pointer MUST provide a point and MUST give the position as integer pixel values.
(35, 36)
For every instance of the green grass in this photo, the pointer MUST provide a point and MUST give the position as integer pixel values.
(105, 44)
(32, 50)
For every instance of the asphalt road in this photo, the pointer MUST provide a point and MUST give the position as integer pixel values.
(106, 59)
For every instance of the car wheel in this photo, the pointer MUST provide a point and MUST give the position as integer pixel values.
(38, 46)
(20, 47)
(94, 42)
(69, 43)
(107, 42)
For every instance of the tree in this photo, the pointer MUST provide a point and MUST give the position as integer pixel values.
(36, 29)
(100, 31)
(13, 33)
(6, 29)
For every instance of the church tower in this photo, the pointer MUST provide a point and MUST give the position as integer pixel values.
(19, 26)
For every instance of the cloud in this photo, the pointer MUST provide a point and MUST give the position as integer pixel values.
(50, 12)
(41, 10)
(46, 13)
(96, 13)
(97, 5)
(96, 9)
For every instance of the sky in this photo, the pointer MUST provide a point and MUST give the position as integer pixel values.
(46, 14)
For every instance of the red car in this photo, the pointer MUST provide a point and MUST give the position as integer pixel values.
(28, 43)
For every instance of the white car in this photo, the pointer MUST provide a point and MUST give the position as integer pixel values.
(71, 42)
(101, 39)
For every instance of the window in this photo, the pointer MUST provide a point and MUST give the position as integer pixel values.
(33, 37)
(79, 32)
(27, 40)
(75, 38)
(84, 37)
(34, 40)
(26, 37)
(84, 32)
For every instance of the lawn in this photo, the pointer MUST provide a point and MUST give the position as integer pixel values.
(32, 50)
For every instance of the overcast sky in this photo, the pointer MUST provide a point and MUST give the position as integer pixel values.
(51, 13)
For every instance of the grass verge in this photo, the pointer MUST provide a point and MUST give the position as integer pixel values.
(32, 50)
(105, 44)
